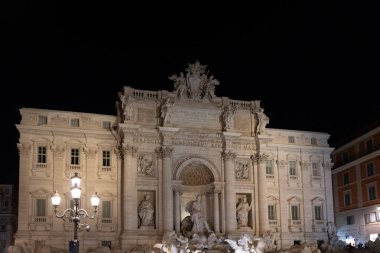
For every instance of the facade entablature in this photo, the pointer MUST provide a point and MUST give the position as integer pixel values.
(297, 138)
(74, 120)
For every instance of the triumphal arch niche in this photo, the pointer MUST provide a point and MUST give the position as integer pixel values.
(188, 149)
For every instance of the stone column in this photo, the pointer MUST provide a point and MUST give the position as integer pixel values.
(328, 186)
(262, 188)
(167, 191)
(230, 203)
(159, 154)
(216, 211)
(129, 192)
(25, 151)
(177, 210)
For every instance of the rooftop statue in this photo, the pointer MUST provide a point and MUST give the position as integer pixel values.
(195, 84)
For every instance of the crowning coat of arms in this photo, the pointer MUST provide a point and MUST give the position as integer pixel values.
(196, 84)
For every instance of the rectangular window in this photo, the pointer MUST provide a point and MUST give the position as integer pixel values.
(41, 156)
(372, 192)
(346, 178)
(74, 156)
(292, 168)
(313, 141)
(345, 157)
(106, 244)
(318, 213)
(291, 139)
(106, 209)
(316, 171)
(106, 158)
(42, 120)
(41, 207)
(350, 220)
(271, 212)
(106, 125)
(369, 146)
(74, 122)
(370, 169)
(295, 213)
(269, 167)
(347, 199)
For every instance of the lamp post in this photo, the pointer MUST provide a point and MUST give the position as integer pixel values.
(75, 214)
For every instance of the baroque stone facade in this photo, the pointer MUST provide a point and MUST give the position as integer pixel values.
(163, 149)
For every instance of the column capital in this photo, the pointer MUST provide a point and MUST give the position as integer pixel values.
(259, 158)
(167, 151)
(228, 155)
(128, 150)
(58, 150)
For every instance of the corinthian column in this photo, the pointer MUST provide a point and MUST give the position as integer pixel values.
(262, 190)
(230, 191)
(167, 191)
(129, 200)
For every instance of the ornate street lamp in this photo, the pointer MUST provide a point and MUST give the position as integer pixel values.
(75, 214)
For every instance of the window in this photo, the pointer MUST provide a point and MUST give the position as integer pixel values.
(106, 125)
(106, 209)
(42, 120)
(269, 167)
(346, 178)
(313, 141)
(347, 199)
(74, 122)
(345, 157)
(291, 139)
(74, 156)
(316, 171)
(318, 213)
(106, 158)
(370, 169)
(292, 168)
(370, 217)
(369, 146)
(41, 207)
(372, 192)
(106, 244)
(350, 220)
(295, 212)
(271, 212)
(41, 156)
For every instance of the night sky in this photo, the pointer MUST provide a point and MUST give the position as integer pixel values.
(314, 66)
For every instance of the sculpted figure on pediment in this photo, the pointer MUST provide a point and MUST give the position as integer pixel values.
(195, 84)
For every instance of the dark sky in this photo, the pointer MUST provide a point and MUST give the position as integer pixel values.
(314, 66)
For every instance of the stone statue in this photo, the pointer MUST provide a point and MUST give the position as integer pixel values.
(180, 84)
(166, 110)
(195, 84)
(146, 211)
(200, 225)
(227, 117)
(242, 211)
(263, 120)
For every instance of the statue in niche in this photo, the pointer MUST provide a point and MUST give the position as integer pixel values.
(195, 224)
(242, 211)
(146, 211)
